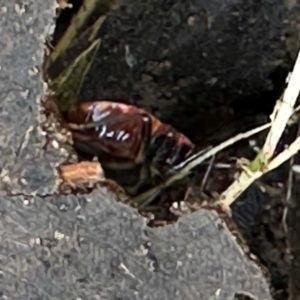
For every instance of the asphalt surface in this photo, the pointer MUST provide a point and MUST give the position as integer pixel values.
(90, 247)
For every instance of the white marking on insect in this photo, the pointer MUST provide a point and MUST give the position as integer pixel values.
(110, 134)
(120, 134)
(103, 131)
(125, 136)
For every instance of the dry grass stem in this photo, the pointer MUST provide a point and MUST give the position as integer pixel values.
(246, 179)
(282, 113)
(197, 159)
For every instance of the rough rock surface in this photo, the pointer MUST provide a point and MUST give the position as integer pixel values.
(90, 247)
(194, 58)
(66, 247)
(23, 30)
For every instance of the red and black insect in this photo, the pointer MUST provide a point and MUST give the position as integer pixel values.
(123, 135)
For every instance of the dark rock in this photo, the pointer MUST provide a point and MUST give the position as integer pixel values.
(71, 247)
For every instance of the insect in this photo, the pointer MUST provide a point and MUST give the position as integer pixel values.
(126, 137)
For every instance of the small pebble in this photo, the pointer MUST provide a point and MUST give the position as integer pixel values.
(26, 202)
(55, 144)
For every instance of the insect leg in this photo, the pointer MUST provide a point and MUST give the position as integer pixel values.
(144, 176)
(181, 153)
(161, 148)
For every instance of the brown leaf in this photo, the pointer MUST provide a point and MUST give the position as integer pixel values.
(81, 175)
